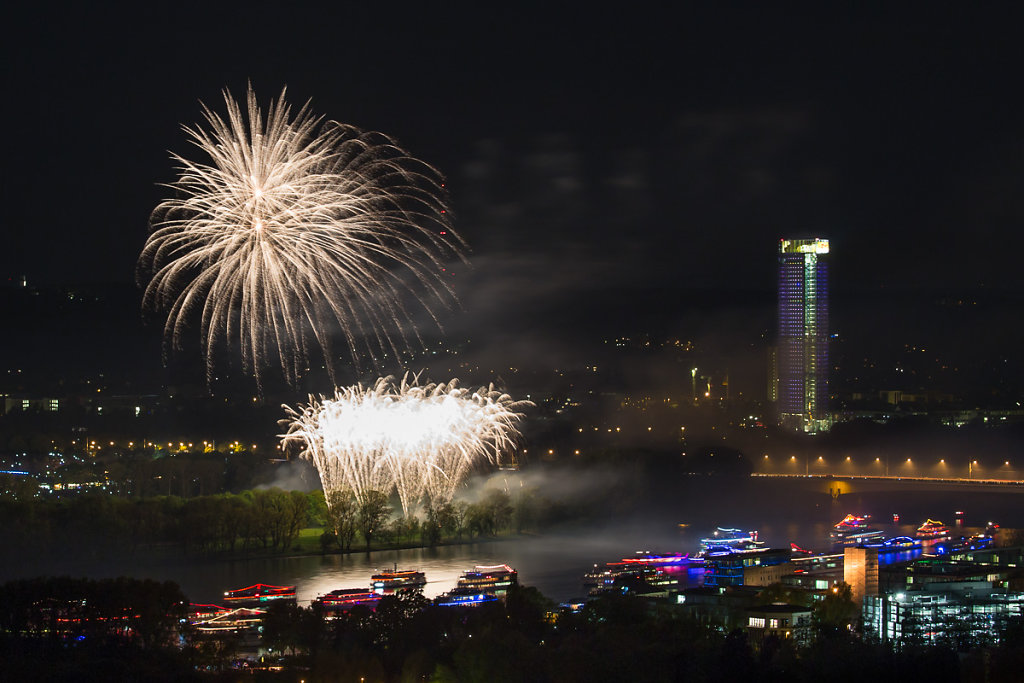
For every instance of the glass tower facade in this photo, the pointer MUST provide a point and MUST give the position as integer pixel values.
(802, 356)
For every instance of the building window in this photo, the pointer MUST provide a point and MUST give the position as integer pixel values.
(773, 623)
(756, 622)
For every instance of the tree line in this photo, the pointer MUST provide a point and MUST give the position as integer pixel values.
(263, 520)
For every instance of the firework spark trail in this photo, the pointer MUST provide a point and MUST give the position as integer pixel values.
(293, 225)
(419, 441)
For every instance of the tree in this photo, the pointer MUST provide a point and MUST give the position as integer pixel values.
(499, 507)
(282, 628)
(479, 520)
(460, 511)
(297, 515)
(342, 517)
(834, 615)
(373, 512)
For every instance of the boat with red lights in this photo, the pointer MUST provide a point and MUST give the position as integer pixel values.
(855, 530)
(259, 594)
(242, 621)
(204, 612)
(395, 579)
(344, 599)
(664, 561)
(932, 530)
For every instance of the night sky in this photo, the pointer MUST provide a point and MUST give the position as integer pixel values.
(638, 159)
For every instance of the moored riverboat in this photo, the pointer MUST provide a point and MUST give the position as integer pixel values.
(723, 537)
(344, 599)
(468, 600)
(894, 544)
(855, 530)
(494, 579)
(391, 580)
(932, 530)
(258, 594)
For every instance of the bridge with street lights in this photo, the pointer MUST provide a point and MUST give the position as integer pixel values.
(969, 471)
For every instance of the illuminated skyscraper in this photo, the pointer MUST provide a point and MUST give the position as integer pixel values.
(802, 397)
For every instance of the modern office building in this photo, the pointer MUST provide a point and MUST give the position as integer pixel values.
(802, 353)
(965, 614)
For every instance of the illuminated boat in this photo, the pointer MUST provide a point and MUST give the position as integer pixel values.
(468, 600)
(200, 613)
(259, 594)
(393, 579)
(729, 538)
(494, 579)
(664, 561)
(855, 530)
(614, 576)
(894, 544)
(932, 530)
(344, 599)
(242, 620)
(973, 542)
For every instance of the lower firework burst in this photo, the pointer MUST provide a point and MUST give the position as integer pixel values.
(419, 441)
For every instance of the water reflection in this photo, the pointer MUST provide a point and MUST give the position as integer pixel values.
(783, 512)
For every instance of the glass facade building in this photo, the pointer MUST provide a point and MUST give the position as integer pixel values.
(964, 614)
(802, 352)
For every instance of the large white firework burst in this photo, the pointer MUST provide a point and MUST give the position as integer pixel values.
(397, 436)
(293, 227)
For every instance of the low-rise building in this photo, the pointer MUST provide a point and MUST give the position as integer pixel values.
(787, 622)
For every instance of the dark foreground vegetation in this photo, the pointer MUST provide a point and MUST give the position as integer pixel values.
(124, 629)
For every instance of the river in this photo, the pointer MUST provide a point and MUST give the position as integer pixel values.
(797, 511)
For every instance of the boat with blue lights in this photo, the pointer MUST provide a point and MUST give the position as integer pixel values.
(894, 545)
(855, 530)
(723, 538)
(964, 544)
(457, 600)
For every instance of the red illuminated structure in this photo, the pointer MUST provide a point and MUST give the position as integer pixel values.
(259, 594)
(344, 599)
(932, 530)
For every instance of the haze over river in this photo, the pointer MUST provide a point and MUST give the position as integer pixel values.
(783, 511)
